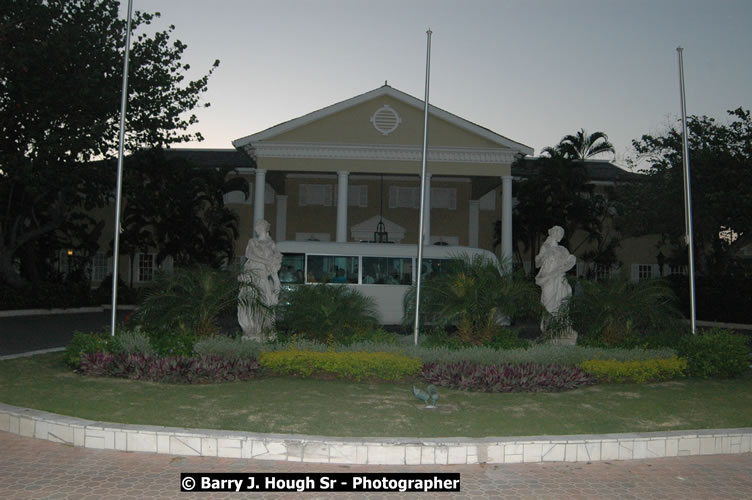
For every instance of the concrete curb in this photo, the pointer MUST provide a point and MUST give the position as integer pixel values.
(370, 451)
(31, 353)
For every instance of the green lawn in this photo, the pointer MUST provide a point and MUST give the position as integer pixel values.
(338, 408)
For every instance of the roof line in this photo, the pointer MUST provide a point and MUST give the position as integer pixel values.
(381, 91)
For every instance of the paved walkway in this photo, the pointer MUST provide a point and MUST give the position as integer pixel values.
(36, 469)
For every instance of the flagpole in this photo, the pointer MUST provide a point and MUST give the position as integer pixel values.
(687, 194)
(118, 193)
(419, 266)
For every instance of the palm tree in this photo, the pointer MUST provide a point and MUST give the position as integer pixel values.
(473, 295)
(582, 145)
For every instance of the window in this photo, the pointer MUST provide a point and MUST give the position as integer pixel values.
(145, 267)
(387, 270)
(292, 269)
(602, 271)
(409, 197)
(315, 194)
(672, 270)
(357, 196)
(404, 197)
(332, 269)
(444, 198)
(101, 266)
(645, 271)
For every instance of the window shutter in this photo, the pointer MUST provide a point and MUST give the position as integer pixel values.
(635, 272)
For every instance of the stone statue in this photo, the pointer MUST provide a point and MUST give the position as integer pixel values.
(261, 267)
(554, 261)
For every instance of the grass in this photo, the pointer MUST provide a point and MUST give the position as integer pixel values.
(303, 406)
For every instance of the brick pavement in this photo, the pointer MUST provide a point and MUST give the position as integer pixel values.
(36, 469)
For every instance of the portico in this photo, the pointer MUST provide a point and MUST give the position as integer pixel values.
(370, 147)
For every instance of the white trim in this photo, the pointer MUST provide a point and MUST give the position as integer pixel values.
(372, 177)
(389, 152)
(246, 143)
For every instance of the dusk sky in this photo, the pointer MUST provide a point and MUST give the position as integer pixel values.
(532, 70)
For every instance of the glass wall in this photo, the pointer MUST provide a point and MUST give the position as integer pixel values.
(332, 269)
(292, 270)
(387, 270)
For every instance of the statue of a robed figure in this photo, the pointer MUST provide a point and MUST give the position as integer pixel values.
(261, 268)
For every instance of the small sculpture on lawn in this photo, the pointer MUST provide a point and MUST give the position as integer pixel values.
(261, 267)
(432, 394)
(554, 261)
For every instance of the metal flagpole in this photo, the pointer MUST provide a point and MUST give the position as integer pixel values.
(123, 102)
(419, 266)
(687, 194)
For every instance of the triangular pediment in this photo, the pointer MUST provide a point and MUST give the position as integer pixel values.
(384, 116)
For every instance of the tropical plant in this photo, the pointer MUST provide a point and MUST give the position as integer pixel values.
(581, 145)
(333, 313)
(473, 294)
(192, 299)
(616, 310)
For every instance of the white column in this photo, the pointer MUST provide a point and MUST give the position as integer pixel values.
(258, 195)
(280, 234)
(473, 224)
(427, 212)
(506, 219)
(342, 206)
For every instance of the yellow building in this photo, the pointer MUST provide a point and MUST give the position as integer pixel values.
(335, 174)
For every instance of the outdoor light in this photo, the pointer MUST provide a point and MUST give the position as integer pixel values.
(70, 252)
(381, 235)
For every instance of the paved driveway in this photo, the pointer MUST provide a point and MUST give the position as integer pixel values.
(20, 334)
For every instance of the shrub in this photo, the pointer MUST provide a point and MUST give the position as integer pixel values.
(171, 370)
(82, 344)
(347, 365)
(614, 310)
(228, 348)
(716, 353)
(526, 377)
(472, 294)
(503, 339)
(172, 343)
(131, 342)
(539, 354)
(327, 312)
(653, 370)
(191, 300)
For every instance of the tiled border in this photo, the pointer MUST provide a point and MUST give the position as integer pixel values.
(376, 451)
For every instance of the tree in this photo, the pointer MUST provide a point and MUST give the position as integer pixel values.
(557, 192)
(178, 208)
(581, 146)
(60, 88)
(720, 166)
